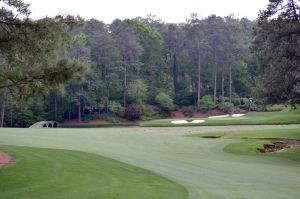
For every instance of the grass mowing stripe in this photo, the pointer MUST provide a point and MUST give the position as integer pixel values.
(52, 173)
(200, 165)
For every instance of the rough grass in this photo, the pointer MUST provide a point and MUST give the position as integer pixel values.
(200, 165)
(51, 173)
(252, 118)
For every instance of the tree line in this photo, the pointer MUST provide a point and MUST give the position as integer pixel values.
(141, 67)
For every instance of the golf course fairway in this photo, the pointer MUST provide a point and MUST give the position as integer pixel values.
(53, 173)
(160, 156)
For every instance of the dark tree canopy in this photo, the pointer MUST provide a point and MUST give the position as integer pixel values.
(277, 48)
(29, 50)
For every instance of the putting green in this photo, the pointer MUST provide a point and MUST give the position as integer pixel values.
(200, 165)
(53, 173)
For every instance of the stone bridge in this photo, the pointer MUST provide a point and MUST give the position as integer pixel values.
(50, 124)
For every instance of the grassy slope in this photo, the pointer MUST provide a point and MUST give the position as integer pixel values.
(200, 165)
(253, 118)
(50, 173)
(250, 146)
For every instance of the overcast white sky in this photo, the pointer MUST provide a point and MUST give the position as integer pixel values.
(168, 10)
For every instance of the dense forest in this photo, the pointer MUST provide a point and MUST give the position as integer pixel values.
(143, 67)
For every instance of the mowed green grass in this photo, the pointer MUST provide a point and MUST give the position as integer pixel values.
(202, 166)
(249, 146)
(52, 173)
(252, 118)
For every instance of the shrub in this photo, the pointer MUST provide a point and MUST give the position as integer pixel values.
(87, 118)
(276, 107)
(225, 106)
(116, 108)
(207, 102)
(133, 112)
(236, 101)
(112, 118)
(146, 118)
(164, 101)
(137, 91)
(258, 107)
(151, 110)
(190, 111)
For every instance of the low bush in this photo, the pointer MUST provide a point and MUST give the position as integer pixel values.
(258, 107)
(116, 108)
(273, 108)
(225, 106)
(112, 118)
(190, 110)
(207, 102)
(133, 112)
(146, 118)
(164, 101)
(236, 101)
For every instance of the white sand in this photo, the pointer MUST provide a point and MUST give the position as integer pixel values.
(219, 116)
(186, 122)
(197, 121)
(238, 115)
(179, 122)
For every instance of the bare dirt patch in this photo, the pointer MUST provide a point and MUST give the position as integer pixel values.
(177, 114)
(199, 115)
(214, 112)
(278, 145)
(4, 158)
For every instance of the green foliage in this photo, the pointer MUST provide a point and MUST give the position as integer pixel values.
(112, 118)
(241, 79)
(146, 118)
(116, 108)
(207, 102)
(275, 108)
(29, 51)
(189, 112)
(225, 106)
(150, 39)
(276, 46)
(164, 101)
(137, 91)
(236, 101)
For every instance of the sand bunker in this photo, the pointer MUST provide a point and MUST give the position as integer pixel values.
(186, 122)
(179, 122)
(238, 115)
(219, 116)
(197, 121)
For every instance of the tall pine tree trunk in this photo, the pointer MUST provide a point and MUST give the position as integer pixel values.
(215, 86)
(215, 77)
(223, 80)
(175, 73)
(2, 107)
(230, 83)
(199, 78)
(55, 107)
(2, 112)
(125, 87)
(79, 112)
